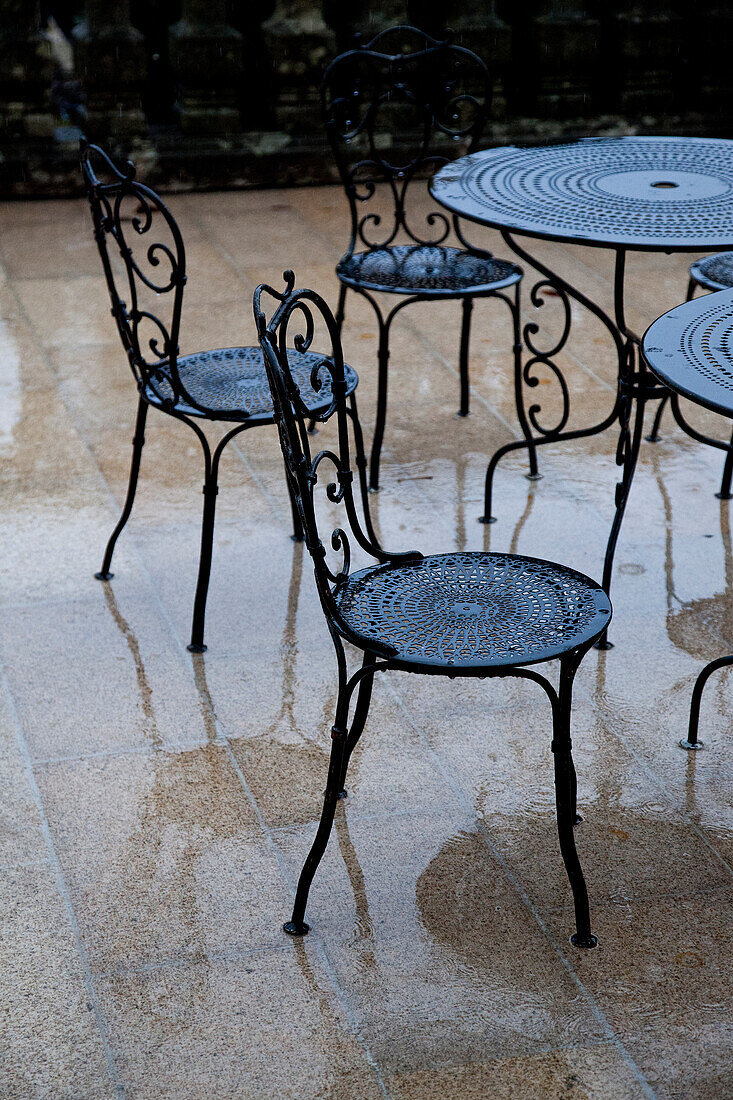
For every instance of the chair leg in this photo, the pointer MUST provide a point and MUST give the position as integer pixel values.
(577, 819)
(342, 745)
(297, 926)
(341, 307)
(565, 804)
(137, 449)
(691, 741)
(463, 356)
(361, 711)
(211, 489)
(383, 363)
(690, 289)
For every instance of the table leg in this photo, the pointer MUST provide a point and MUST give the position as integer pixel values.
(633, 397)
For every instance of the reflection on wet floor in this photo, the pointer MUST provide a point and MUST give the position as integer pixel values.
(158, 805)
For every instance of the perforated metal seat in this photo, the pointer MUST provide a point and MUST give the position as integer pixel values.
(426, 269)
(713, 272)
(232, 383)
(465, 611)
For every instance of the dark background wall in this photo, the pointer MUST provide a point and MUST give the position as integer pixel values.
(214, 93)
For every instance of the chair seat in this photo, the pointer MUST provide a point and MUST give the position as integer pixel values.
(459, 613)
(436, 270)
(231, 384)
(714, 272)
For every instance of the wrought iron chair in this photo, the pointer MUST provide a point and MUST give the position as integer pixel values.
(711, 273)
(226, 385)
(391, 108)
(458, 614)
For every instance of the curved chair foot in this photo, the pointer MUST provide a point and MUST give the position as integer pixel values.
(691, 746)
(296, 928)
(487, 519)
(343, 794)
(604, 644)
(193, 648)
(104, 576)
(534, 477)
(462, 414)
(578, 819)
(724, 496)
(298, 538)
(586, 942)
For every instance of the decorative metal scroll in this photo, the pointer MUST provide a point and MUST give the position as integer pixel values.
(550, 287)
(391, 101)
(127, 212)
(299, 310)
(545, 356)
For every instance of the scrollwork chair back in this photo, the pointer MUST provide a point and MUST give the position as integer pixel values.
(126, 214)
(291, 328)
(403, 84)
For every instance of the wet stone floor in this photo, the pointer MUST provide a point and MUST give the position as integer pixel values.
(157, 806)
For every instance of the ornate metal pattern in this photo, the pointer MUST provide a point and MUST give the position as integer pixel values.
(714, 272)
(691, 350)
(396, 109)
(426, 269)
(475, 609)
(638, 192)
(232, 384)
(415, 89)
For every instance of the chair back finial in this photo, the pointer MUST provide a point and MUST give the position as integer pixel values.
(398, 107)
(130, 215)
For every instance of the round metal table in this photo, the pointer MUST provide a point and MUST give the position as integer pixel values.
(650, 194)
(690, 350)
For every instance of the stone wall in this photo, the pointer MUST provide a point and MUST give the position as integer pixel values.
(215, 93)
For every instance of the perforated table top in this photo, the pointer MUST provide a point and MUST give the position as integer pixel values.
(691, 350)
(648, 193)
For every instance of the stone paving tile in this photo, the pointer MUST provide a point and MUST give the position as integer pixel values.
(662, 976)
(163, 856)
(21, 824)
(573, 1073)
(50, 1043)
(434, 972)
(266, 1025)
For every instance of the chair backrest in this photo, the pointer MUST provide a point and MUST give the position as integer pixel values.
(390, 108)
(142, 273)
(303, 311)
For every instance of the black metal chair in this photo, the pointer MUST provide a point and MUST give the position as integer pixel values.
(393, 108)
(227, 385)
(711, 273)
(458, 614)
